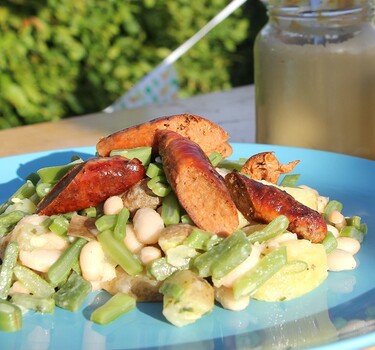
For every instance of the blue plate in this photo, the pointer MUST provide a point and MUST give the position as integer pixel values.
(340, 314)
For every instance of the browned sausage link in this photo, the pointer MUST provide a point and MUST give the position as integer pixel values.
(199, 188)
(90, 183)
(260, 202)
(210, 136)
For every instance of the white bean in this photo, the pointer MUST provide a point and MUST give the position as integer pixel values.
(39, 259)
(131, 240)
(34, 219)
(94, 264)
(340, 260)
(225, 297)
(336, 217)
(334, 230)
(148, 225)
(113, 205)
(49, 241)
(350, 245)
(149, 254)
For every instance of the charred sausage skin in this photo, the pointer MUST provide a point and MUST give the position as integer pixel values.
(260, 202)
(199, 188)
(210, 136)
(90, 183)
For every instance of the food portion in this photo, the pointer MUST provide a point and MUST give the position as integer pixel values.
(161, 216)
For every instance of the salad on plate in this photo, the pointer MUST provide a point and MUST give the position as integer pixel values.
(161, 214)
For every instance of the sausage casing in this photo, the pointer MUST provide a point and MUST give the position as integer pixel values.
(90, 183)
(199, 188)
(260, 202)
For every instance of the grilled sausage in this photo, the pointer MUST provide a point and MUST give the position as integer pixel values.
(199, 188)
(207, 134)
(260, 202)
(90, 183)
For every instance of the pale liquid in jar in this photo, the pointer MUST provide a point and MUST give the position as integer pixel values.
(317, 96)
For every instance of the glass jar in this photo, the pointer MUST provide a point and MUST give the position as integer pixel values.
(315, 76)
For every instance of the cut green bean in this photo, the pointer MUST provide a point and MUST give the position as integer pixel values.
(265, 269)
(231, 258)
(141, 153)
(275, 228)
(10, 317)
(73, 293)
(329, 242)
(154, 169)
(159, 186)
(35, 303)
(59, 225)
(42, 189)
(330, 207)
(159, 269)
(89, 212)
(290, 180)
(33, 282)
(215, 158)
(354, 221)
(6, 272)
(62, 267)
(171, 290)
(25, 191)
(106, 222)
(170, 210)
(119, 231)
(232, 164)
(51, 175)
(8, 220)
(352, 232)
(197, 239)
(186, 219)
(115, 307)
(209, 261)
(119, 253)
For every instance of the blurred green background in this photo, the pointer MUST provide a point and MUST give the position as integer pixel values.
(60, 58)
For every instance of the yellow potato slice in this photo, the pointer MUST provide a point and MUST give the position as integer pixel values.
(306, 269)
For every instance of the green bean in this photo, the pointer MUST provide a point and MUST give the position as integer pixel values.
(8, 220)
(10, 317)
(6, 273)
(329, 242)
(62, 267)
(354, 221)
(119, 231)
(154, 169)
(33, 282)
(197, 239)
(170, 210)
(106, 222)
(72, 294)
(115, 307)
(119, 253)
(141, 153)
(171, 290)
(265, 269)
(59, 225)
(275, 228)
(35, 303)
(89, 212)
(42, 189)
(353, 232)
(25, 191)
(159, 186)
(209, 261)
(232, 164)
(185, 219)
(290, 180)
(53, 174)
(215, 158)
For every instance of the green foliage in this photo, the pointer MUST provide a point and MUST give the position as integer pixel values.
(68, 57)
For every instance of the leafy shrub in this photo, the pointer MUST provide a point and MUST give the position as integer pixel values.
(68, 57)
